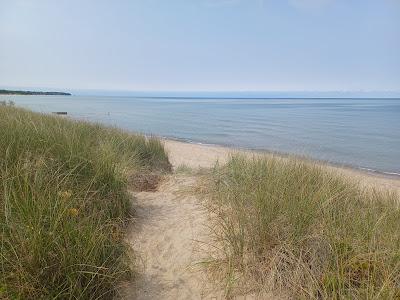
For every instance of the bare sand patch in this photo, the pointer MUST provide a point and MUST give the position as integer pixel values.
(166, 235)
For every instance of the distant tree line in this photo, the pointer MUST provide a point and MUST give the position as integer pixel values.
(11, 92)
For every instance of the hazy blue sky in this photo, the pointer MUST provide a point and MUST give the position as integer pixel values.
(201, 44)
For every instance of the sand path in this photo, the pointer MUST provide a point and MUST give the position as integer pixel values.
(168, 225)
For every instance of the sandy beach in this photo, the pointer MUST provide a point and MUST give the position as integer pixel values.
(205, 156)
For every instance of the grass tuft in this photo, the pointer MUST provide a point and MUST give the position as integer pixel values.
(64, 204)
(292, 227)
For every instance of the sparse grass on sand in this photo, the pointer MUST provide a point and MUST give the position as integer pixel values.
(64, 204)
(294, 228)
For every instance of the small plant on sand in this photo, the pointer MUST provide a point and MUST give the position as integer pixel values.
(292, 227)
(64, 204)
(184, 169)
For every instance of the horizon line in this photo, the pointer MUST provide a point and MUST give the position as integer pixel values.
(37, 88)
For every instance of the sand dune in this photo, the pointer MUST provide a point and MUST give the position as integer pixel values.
(171, 221)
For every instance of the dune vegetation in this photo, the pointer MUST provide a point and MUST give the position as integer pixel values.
(294, 228)
(64, 204)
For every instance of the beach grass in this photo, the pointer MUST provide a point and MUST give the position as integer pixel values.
(64, 204)
(294, 228)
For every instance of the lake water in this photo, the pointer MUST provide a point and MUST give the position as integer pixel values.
(363, 133)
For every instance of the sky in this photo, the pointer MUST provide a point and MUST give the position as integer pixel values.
(201, 45)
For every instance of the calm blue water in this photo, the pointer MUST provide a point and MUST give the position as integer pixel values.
(362, 133)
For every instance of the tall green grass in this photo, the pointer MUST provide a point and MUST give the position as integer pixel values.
(292, 227)
(64, 204)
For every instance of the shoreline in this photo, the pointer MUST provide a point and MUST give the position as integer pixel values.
(196, 155)
(366, 170)
(210, 153)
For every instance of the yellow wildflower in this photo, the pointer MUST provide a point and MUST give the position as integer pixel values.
(73, 212)
(65, 194)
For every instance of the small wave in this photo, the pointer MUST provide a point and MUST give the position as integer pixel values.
(379, 172)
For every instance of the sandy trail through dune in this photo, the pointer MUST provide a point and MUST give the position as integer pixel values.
(168, 224)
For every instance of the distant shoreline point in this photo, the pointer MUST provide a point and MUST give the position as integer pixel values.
(15, 92)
